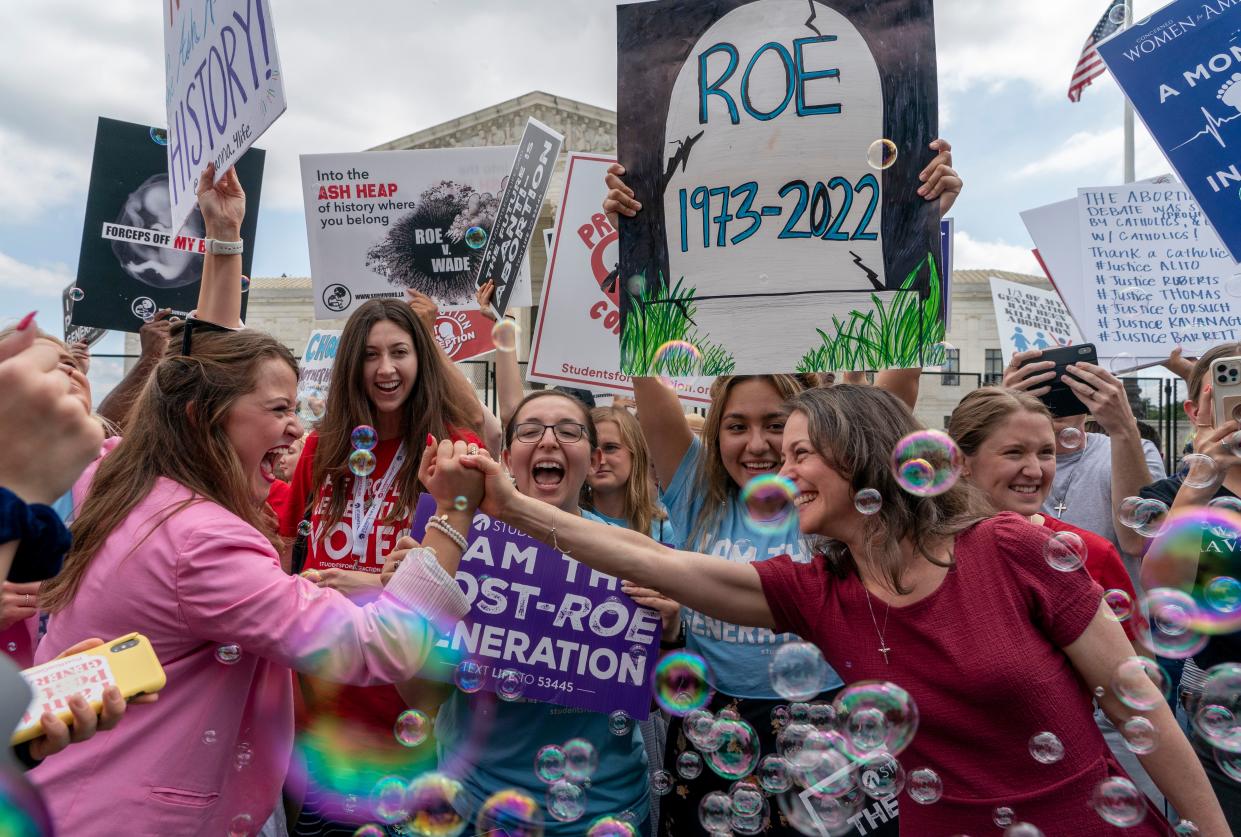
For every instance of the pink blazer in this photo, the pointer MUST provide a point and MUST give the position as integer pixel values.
(214, 749)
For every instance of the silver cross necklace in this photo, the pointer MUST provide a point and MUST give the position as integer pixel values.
(883, 643)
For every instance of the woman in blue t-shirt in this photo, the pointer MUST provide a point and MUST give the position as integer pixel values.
(621, 489)
(490, 745)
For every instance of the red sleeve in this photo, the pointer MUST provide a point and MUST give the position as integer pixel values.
(1061, 604)
(1108, 569)
(278, 497)
(299, 489)
(791, 589)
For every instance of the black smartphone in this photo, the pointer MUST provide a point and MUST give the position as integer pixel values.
(1061, 400)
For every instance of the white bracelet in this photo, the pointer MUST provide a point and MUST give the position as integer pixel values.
(441, 524)
(225, 248)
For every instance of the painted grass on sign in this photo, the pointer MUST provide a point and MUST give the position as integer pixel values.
(663, 316)
(904, 333)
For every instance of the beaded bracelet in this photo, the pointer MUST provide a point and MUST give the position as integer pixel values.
(441, 524)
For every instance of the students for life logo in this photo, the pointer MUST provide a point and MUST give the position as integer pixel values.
(453, 330)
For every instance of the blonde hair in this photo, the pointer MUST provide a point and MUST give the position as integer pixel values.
(977, 415)
(641, 508)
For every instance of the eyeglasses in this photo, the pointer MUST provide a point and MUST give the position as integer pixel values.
(530, 432)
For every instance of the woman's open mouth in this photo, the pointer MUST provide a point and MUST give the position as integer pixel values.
(267, 466)
(547, 473)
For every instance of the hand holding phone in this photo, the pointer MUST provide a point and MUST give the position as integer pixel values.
(1226, 390)
(103, 674)
(1056, 394)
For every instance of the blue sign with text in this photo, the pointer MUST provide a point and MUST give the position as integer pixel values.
(1181, 69)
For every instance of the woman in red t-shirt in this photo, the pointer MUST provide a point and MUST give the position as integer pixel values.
(388, 375)
(952, 605)
(1009, 443)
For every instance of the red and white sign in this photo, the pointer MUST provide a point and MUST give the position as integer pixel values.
(464, 334)
(577, 339)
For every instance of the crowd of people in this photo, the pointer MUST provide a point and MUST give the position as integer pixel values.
(987, 652)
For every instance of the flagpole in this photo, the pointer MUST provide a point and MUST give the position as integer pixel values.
(1130, 175)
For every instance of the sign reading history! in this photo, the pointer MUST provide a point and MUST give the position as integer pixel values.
(224, 89)
(1181, 69)
(564, 630)
(379, 222)
(776, 147)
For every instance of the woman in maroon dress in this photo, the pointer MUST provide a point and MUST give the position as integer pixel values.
(959, 610)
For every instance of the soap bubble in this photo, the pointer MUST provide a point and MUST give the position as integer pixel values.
(1216, 718)
(881, 154)
(822, 715)
(798, 671)
(1046, 748)
(676, 359)
(738, 749)
(1197, 543)
(1170, 628)
(938, 355)
(1229, 763)
(1117, 15)
(924, 786)
(1232, 504)
(714, 811)
(769, 503)
(619, 723)
(159, 136)
(1146, 516)
(1022, 829)
(681, 682)
(228, 654)
(549, 763)
(303, 529)
(799, 713)
(364, 437)
(689, 765)
(504, 335)
(881, 775)
(77, 294)
(1071, 438)
(461, 503)
(609, 826)
(1140, 683)
(512, 813)
(362, 463)
(1140, 735)
(469, 676)
(1118, 802)
(927, 463)
(868, 501)
(412, 727)
(876, 715)
(581, 760)
(1186, 828)
(370, 830)
(388, 799)
(1003, 816)
(476, 238)
(1123, 363)
(209, 736)
(566, 801)
(509, 684)
(241, 825)
(1223, 594)
(1120, 603)
(1197, 470)
(746, 800)
(822, 813)
(661, 782)
(773, 774)
(699, 728)
(1065, 551)
(791, 743)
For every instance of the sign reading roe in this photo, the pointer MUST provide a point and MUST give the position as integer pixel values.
(776, 146)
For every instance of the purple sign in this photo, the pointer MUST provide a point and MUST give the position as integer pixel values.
(568, 632)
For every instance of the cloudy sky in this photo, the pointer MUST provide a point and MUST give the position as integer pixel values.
(361, 73)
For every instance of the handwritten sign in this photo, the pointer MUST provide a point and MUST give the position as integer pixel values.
(567, 631)
(1156, 275)
(776, 147)
(575, 341)
(379, 222)
(224, 89)
(528, 182)
(314, 374)
(1180, 69)
(1030, 318)
(133, 260)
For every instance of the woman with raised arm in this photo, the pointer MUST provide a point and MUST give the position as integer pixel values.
(918, 594)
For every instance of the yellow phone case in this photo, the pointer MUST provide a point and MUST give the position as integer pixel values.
(129, 663)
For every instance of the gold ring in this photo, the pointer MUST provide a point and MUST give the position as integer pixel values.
(471, 449)
(27, 599)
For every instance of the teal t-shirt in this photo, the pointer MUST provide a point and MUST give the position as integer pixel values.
(738, 656)
(490, 745)
(661, 530)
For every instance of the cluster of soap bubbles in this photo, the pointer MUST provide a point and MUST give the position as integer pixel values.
(566, 769)
(1145, 516)
(927, 463)
(362, 460)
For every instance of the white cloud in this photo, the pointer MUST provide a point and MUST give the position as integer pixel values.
(37, 176)
(39, 281)
(1099, 153)
(970, 254)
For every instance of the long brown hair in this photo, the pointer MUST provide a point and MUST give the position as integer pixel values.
(713, 482)
(176, 431)
(428, 409)
(640, 506)
(981, 411)
(856, 428)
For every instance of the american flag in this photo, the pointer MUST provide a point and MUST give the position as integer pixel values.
(1090, 65)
